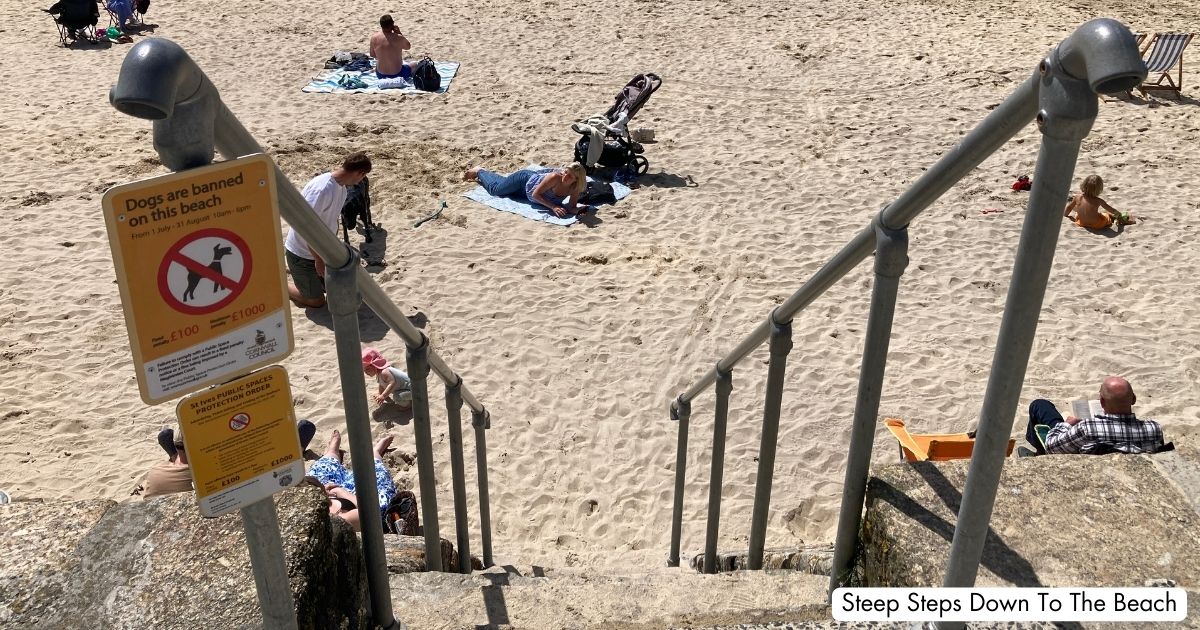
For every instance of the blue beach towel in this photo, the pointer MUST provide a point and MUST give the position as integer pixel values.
(330, 81)
(528, 210)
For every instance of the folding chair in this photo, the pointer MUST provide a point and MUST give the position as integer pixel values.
(934, 447)
(68, 35)
(122, 14)
(1166, 52)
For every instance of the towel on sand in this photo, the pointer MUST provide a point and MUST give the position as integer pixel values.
(326, 82)
(528, 210)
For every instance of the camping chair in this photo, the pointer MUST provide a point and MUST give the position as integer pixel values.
(1166, 52)
(123, 14)
(1043, 430)
(934, 447)
(75, 20)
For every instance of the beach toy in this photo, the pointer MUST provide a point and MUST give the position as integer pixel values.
(4, 498)
(432, 216)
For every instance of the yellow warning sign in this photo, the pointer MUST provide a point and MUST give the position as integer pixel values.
(241, 441)
(199, 258)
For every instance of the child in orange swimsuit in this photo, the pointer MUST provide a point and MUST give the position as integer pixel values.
(1090, 210)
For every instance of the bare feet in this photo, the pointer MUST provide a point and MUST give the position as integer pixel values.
(471, 174)
(383, 446)
(334, 448)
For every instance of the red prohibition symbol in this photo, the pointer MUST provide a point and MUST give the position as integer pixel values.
(239, 421)
(204, 271)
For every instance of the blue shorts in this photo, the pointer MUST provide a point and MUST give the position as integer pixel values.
(405, 72)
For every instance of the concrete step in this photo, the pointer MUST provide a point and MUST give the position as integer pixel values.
(537, 597)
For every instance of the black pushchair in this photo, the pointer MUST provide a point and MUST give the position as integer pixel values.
(606, 141)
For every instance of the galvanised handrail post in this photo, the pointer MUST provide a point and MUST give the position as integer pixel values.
(418, 372)
(458, 475)
(781, 345)
(482, 421)
(891, 257)
(1097, 57)
(681, 412)
(724, 387)
(342, 285)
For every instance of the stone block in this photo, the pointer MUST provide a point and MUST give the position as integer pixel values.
(1059, 521)
(159, 564)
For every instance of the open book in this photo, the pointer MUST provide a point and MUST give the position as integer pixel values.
(1085, 409)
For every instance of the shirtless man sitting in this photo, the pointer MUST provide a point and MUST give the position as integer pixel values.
(387, 47)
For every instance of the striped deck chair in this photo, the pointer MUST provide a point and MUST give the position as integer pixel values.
(1166, 52)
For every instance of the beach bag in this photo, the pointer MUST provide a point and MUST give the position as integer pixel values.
(597, 193)
(426, 77)
(400, 515)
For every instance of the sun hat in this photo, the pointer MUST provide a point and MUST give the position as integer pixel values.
(371, 357)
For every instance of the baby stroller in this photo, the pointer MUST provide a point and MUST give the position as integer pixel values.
(606, 141)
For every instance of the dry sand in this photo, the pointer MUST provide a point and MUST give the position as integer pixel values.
(782, 128)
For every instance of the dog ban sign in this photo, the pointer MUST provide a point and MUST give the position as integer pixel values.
(199, 264)
(241, 442)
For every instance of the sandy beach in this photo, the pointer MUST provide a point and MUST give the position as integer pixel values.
(782, 128)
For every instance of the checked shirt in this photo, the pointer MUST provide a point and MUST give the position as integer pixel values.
(1124, 432)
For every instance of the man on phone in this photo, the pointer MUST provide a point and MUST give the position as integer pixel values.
(387, 47)
(1117, 430)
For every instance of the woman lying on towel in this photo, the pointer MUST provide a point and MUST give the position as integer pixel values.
(558, 190)
(1090, 210)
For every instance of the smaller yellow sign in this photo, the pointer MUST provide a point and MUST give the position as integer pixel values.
(241, 440)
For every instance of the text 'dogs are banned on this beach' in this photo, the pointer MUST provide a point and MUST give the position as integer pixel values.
(1133, 604)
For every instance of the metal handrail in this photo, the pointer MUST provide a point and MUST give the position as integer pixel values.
(1101, 56)
(158, 81)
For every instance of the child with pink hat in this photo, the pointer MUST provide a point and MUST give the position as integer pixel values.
(394, 385)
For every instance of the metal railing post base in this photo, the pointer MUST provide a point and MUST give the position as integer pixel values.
(342, 285)
(891, 257)
(417, 359)
(458, 474)
(724, 386)
(482, 421)
(781, 345)
(681, 412)
(1068, 110)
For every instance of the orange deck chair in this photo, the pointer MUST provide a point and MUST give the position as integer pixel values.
(934, 447)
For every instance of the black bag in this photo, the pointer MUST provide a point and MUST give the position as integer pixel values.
(597, 193)
(426, 77)
(400, 515)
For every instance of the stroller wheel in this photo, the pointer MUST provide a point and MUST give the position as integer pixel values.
(640, 164)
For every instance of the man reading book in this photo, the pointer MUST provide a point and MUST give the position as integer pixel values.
(1116, 429)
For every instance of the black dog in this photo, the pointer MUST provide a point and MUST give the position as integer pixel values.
(358, 208)
(194, 278)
